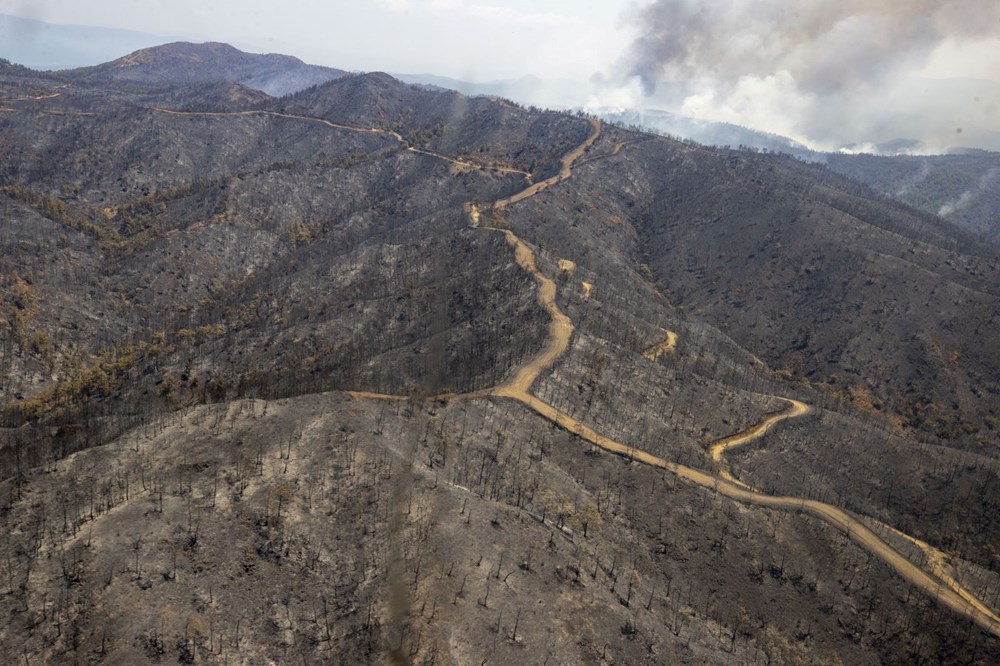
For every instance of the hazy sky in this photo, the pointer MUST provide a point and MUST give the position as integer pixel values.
(469, 39)
(823, 71)
(826, 70)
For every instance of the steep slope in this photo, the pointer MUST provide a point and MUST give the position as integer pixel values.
(872, 286)
(588, 222)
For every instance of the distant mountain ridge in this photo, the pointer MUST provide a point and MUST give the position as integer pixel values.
(957, 187)
(187, 62)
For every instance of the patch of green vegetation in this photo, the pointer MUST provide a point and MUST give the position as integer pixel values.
(103, 377)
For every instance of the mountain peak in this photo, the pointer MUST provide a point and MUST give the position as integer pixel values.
(217, 54)
(208, 62)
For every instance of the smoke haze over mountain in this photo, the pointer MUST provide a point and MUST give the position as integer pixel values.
(822, 71)
(862, 75)
(825, 46)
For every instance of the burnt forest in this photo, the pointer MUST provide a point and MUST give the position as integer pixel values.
(306, 366)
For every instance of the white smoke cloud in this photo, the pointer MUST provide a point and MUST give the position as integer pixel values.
(986, 180)
(816, 70)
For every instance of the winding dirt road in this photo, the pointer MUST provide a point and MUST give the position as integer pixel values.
(565, 171)
(368, 395)
(355, 128)
(961, 601)
(938, 561)
(718, 449)
(938, 584)
(560, 327)
(518, 387)
(940, 565)
(37, 97)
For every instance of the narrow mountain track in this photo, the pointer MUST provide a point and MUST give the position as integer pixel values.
(940, 565)
(937, 560)
(719, 448)
(941, 587)
(565, 171)
(617, 148)
(356, 128)
(50, 112)
(560, 326)
(51, 95)
(368, 395)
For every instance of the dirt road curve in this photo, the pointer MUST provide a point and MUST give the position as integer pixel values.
(939, 563)
(37, 97)
(657, 350)
(564, 172)
(368, 395)
(961, 601)
(719, 448)
(560, 326)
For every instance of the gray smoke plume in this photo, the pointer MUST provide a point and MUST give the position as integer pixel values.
(824, 44)
(809, 51)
